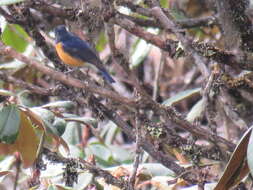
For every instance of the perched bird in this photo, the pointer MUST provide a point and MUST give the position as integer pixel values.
(75, 52)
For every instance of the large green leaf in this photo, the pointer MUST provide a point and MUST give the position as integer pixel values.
(120, 154)
(9, 124)
(71, 135)
(9, 2)
(237, 167)
(100, 151)
(15, 36)
(54, 125)
(109, 132)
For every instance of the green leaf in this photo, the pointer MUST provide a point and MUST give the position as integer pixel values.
(164, 3)
(9, 2)
(177, 14)
(120, 154)
(140, 52)
(60, 125)
(102, 41)
(51, 187)
(15, 64)
(48, 118)
(25, 99)
(100, 151)
(15, 36)
(9, 124)
(181, 96)
(45, 114)
(109, 131)
(71, 133)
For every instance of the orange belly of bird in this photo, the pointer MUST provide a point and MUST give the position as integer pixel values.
(66, 58)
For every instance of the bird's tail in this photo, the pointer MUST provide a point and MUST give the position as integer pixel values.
(107, 76)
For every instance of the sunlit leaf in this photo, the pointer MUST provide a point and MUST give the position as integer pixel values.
(102, 41)
(181, 96)
(197, 110)
(15, 36)
(15, 64)
(155, 169)
(9, 123)
(140, 50)
(237, 167)
(84, 179)
(6, 93)
(9, 2)
(207, 186)
(139, 53)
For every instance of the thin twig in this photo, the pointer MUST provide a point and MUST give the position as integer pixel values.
(170, 25)
(137, 158)
(82, 164)
(18, 164)
(157, 76)
(29, 86)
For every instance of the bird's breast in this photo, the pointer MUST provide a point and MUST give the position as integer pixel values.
(66, 57)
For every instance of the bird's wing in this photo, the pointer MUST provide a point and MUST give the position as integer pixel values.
(80, 50)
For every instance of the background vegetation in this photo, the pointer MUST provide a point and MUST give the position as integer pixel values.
(178, 117)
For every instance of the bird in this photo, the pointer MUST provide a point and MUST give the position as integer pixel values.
(76, 52)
